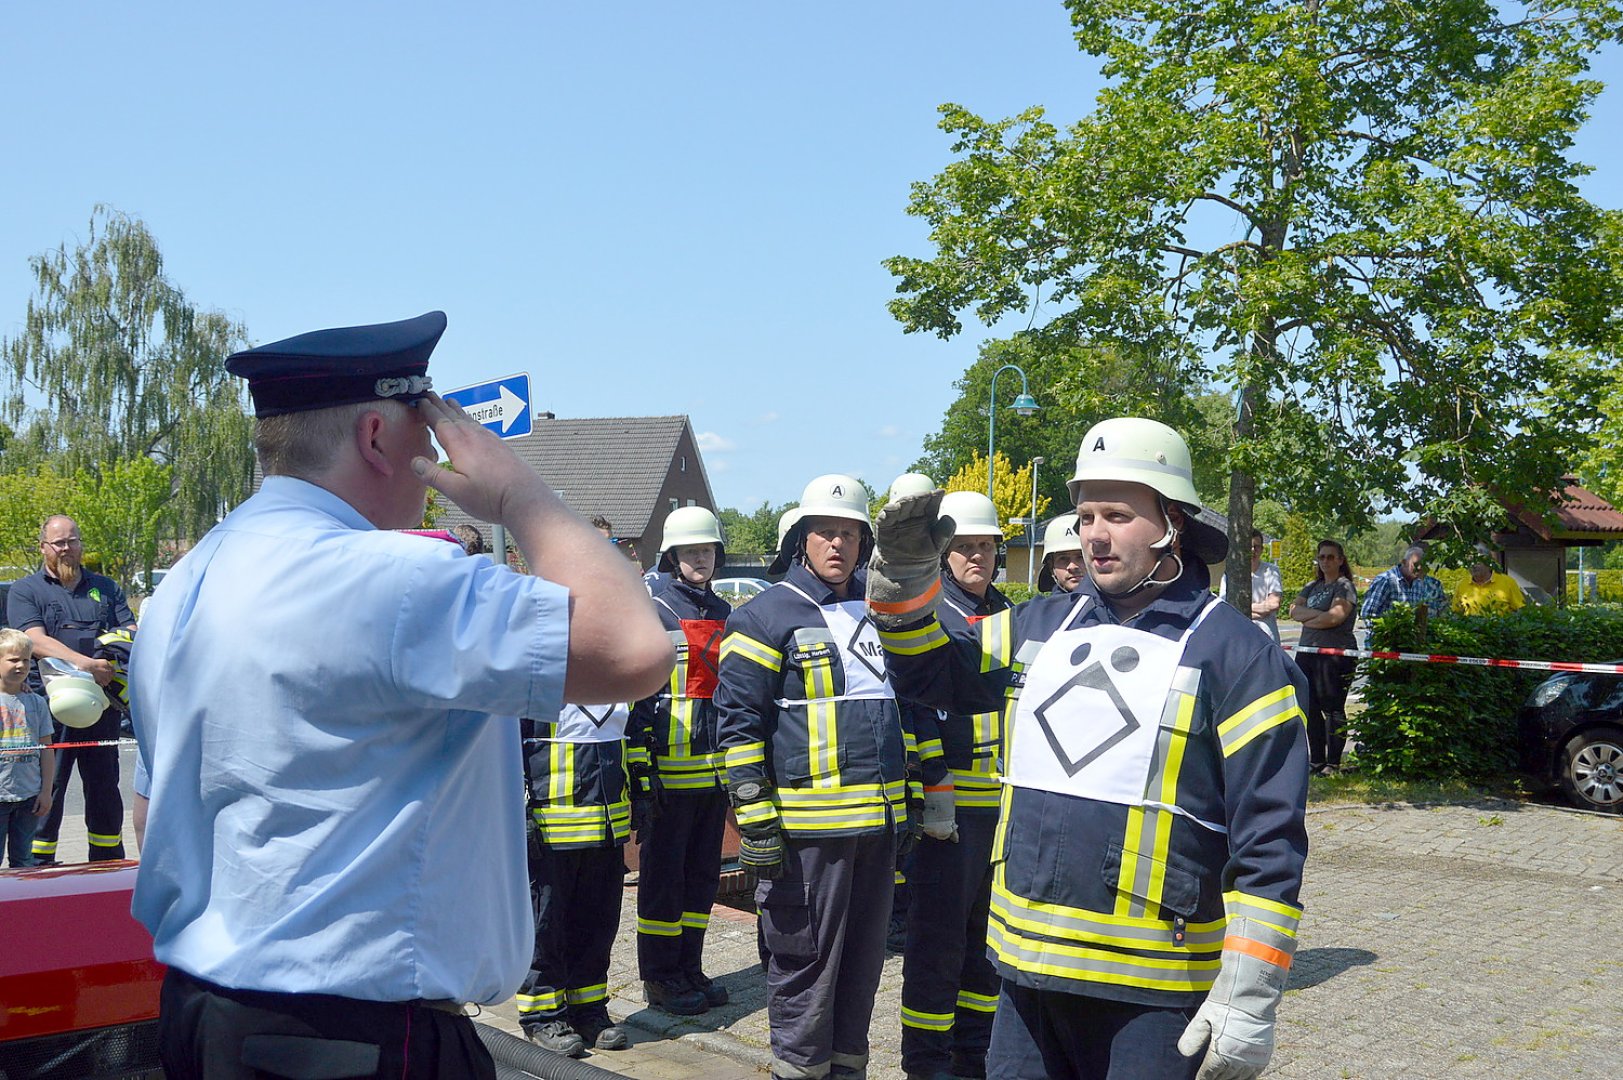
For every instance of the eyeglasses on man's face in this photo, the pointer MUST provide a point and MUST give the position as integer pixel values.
(63, 544)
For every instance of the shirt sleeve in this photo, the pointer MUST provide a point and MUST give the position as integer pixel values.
(22, 605)
(471, 635)
(1272, 580)
(747, 681)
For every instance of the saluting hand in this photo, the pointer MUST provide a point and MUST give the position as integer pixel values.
(485, 478)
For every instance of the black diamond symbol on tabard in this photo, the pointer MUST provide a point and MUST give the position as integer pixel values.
(1093, 677)
(859, 649)
(597, 721)
(705, 653)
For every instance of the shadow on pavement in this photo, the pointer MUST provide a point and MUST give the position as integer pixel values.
(1314, 966)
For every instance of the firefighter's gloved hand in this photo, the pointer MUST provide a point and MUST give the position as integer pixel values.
(1235, 1025)
(912, 828)
(761, 850)
(939, 815)
(646, 784)
(904, 574)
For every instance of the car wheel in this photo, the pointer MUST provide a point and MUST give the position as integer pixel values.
(1592, 770)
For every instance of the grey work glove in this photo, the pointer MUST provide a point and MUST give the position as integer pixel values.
(904, 575)
(940, 818)
(1235, 1025)
(762, 852)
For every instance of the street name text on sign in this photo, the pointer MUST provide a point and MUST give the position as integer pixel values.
(502, 405)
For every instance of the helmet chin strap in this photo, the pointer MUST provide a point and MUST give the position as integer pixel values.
(1164, 546)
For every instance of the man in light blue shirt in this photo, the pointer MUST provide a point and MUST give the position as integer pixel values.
(334, 855)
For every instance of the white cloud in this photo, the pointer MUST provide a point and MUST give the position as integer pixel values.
(889, 431)
(711, 443)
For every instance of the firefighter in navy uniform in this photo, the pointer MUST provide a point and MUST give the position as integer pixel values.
(581, 807)
(949, 987)
(1064, 568)
(816, 770)
(679, 865)
(1152, 833)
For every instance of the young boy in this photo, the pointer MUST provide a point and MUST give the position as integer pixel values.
(25, 775)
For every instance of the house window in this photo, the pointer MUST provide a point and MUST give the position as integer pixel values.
(684, 463)
(676, 504)
(693, 502)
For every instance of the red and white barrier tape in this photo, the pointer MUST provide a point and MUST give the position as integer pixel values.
(65, 746)
(1469, 661)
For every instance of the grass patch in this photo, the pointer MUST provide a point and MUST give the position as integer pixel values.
(1348, 788)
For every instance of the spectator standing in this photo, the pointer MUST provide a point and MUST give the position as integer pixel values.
(1489, 592)
(64, 608)
(1267, 589)
(1406, 583)
(26, 775)
(327, 711)
(1325, 607)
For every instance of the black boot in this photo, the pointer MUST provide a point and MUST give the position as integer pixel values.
(714, 993)
(674, 996)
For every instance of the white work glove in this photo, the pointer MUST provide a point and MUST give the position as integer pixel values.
(940, 819)
(904, 574)
(1235, 1025)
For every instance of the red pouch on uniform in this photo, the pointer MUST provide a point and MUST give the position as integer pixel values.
(704, 655)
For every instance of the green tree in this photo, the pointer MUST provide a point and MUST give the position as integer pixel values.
(26, 497)
(1362, 216)
(118, 507)
(1011, 494)
(755, 533)
(115, 363)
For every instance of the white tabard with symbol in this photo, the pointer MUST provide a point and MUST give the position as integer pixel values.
(1091, 709)
(860, 652)
(592, 723)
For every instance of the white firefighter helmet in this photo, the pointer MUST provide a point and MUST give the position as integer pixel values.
(1140, 451)
(835, 495)
(786, 521)
(972, 513)
(1061, 535)
(76, 701)
(910, 484)
(690, 525)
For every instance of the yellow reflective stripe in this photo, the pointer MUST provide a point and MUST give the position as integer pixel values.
(1281, 917)
(695, 920)
(910, 743)
(753, 753)
(1085, 964)
(679, 726)
(44, 847)
(930, 749)
(657, 928)
(737, 644)
(822, 742)
(1174, 744)
(924, 1021)
(548, 1001)
(997, 638)
(637, 755)
(586, 995)
(901, 878)
(978, 1002)
(560, 771)
(914, 642)
(105, 839)
(1034, 917)
(755, 813)
(1268, 711)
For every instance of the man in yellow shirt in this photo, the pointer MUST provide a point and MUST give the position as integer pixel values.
(1488, 593)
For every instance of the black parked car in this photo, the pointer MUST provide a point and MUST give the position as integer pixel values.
(1571, 734)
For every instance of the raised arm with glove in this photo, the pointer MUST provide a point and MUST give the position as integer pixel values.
(1235, 1024)
(904, 574)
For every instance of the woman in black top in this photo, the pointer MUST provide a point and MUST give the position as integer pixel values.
(1326, 608)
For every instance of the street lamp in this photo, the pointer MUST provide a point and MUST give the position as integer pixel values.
(1024, 404)
(1031, 537)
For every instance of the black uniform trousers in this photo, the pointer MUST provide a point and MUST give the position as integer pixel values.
(98, 780)
(949, 986)
(576, 892)
(678, 873)
(1328, 678)
(1053, 1035)
(208, 1032)
(823, 924)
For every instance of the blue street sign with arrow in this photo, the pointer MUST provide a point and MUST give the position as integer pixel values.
(502, 405)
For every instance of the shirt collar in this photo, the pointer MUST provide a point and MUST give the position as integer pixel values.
(801, 577)
(1173, 608)
(292, 491)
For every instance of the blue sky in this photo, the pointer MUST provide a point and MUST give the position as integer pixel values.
(650, 208)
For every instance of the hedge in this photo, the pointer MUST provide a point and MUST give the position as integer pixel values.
(1442, 721)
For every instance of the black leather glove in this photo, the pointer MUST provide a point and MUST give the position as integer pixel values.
(643, 813)
(912, 829)
(646, 784)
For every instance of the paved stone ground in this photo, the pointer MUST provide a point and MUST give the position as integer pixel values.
(1447, 942)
